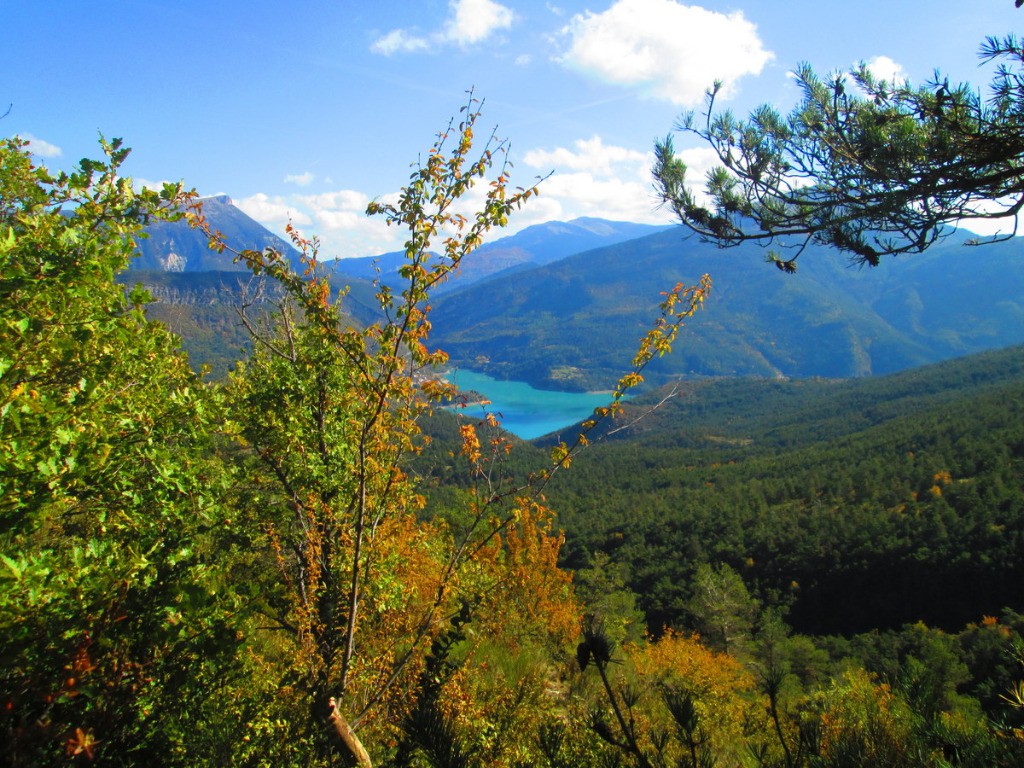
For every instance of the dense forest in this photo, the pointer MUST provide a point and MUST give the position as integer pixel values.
(856, 509)
(306, 562)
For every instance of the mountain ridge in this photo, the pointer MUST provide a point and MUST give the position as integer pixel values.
(574, 324)
(532, 246)
(177, 247)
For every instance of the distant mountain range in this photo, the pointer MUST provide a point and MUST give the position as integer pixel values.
(176, 247)
(563, 304)
(575, 323)
(532, 247)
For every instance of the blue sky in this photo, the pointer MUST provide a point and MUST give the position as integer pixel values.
(311, 108)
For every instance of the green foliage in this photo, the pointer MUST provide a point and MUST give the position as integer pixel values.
(722, 607)
(870, 167)
(109, 493)
(820, 495)
(358, 582)
(601, 586)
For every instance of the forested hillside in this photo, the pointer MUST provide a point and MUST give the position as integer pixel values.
(202, 307)
(883, 517)
(525, 306)
(773, 413)
(828, 319)
(854, 504)
(851, 504)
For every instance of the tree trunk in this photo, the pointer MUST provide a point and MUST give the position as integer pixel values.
(352, 748)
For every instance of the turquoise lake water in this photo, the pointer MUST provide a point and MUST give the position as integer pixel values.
(524, 411)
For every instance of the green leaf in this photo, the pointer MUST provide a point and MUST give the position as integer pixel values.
(15, 569)
(8, 241)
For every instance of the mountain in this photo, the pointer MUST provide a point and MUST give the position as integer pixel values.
(534, 246)
(539, 307)
(201, 307)
(176, 247)
(575, 323)
(196, 291)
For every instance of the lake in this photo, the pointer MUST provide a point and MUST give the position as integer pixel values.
(524, 411)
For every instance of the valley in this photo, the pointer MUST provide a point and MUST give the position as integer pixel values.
(821, 492)
(568, 314)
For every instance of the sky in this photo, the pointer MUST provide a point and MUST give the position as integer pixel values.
(305, 111)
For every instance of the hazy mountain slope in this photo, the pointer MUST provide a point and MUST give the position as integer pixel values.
(196, 291)
(575, 323)
(534, 246)
(176, 247)
(955, 298)
(202, 308)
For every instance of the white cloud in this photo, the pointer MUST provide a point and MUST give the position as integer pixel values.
(586, 194)
(602, 180)
(468, 22)
(299, 179)
(669, 50)
(884, 68)
(340, 200)
(398, 40)
(698, 160)
(342, 209)
(594, 179)
(591, 155)
(41, 148)
(344, 229)
(475, 20)
(590, 178)
(275, 211)
(138, 184)
(999, 227)
(337, 218)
